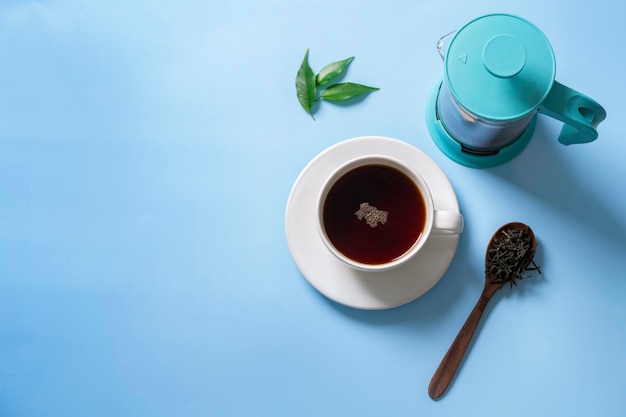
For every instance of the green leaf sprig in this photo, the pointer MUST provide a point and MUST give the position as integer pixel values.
(308, 84)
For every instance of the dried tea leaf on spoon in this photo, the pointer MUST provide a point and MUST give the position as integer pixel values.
(511, 256)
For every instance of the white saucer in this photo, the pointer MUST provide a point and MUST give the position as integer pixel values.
(358, 289)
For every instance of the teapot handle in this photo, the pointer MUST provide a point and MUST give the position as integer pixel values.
(581, 114)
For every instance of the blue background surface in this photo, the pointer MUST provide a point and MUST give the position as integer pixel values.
(147, 152)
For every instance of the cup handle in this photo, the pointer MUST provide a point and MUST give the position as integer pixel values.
(581, 114)
(447, 223)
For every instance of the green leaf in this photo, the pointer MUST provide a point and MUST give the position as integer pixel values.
(345, 91)
(331, 70)
(305, 85)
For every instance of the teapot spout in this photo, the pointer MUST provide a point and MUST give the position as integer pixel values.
(443, 43)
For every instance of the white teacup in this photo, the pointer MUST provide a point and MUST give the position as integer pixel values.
(375, 213)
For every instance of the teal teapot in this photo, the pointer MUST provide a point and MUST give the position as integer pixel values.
(499, 74)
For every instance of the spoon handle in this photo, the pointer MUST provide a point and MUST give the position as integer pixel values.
(449, 364)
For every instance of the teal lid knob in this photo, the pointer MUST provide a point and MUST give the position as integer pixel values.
(504, 56)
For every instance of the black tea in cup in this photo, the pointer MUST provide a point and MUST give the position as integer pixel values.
(374, 214)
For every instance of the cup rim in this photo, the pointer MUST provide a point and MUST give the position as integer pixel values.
(376, 159)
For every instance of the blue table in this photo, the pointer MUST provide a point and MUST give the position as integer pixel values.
(148, 152)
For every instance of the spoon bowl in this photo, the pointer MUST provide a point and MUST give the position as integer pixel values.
(509, 253)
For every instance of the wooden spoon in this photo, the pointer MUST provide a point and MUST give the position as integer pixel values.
(498, 252)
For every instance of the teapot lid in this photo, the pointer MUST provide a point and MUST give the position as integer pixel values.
(499, 67)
